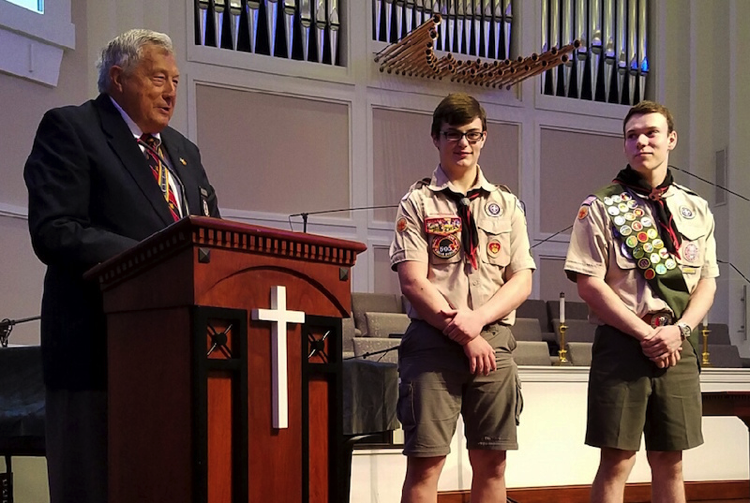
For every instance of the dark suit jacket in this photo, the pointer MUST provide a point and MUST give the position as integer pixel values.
(92, 195)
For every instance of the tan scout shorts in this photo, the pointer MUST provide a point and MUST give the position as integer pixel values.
(435, 386)
(629, 396)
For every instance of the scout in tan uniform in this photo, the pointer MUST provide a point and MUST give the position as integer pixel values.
(643, 254)
(462, 254)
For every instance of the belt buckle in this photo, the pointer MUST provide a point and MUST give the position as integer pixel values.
(660, 320)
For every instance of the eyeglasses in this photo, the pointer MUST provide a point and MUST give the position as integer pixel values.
(455, 136)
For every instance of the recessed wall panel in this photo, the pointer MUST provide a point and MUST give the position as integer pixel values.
(386, 280)
(552, 280)
(573, 165)
(271, 153)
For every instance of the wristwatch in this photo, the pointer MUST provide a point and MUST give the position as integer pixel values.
(685, 330)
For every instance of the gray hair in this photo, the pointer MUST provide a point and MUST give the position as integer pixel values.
(126, 51)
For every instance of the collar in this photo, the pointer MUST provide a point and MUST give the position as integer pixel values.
(134, 129)
(671, 191)
(440, 181)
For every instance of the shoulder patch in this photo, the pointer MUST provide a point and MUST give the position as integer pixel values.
(583, 211)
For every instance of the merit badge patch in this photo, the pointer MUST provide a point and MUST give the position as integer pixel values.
(493, 248)
(686, 212)
(442, 226)
(691, 252)
(401, 224)
(493, 210)
(445, 246)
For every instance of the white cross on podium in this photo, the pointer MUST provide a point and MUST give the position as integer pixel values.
(279, 317)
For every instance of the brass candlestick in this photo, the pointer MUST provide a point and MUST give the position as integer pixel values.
(562, 353)
(705, 362)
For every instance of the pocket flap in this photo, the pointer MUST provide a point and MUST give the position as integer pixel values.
(494, 225)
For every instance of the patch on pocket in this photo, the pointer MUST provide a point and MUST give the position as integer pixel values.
(442, 226)
(690, 252)
(445, 246)
(493, 248)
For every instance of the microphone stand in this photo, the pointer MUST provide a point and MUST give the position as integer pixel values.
(305, 214)
(709, 182)
(6, 326)
(371, 353)
(540, 241)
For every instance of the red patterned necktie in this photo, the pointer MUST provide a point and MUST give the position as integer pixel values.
(154, 156)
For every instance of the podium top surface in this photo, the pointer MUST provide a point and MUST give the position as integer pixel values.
(207, 232)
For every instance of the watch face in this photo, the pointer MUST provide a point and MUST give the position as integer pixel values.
(684, 330)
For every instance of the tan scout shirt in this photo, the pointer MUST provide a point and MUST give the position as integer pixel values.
(594, 251)
(428, 230)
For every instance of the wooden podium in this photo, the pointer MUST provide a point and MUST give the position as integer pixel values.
(204, 405)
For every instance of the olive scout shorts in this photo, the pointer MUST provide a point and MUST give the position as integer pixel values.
(630, 396)
(435, 385)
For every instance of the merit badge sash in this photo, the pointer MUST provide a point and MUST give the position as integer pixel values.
(639, 240)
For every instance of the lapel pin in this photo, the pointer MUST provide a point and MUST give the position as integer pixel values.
(183, 161)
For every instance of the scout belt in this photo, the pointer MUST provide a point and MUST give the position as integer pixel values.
(658, 319)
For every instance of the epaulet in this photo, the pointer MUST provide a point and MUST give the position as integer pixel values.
(588, 201)
(504, 188)
(416, 186)
(686, 189)
(420, 183)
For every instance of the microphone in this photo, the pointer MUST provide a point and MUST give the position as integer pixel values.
(305, 214)
(6, 326)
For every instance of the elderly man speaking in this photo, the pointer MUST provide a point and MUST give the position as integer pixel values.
(101, 177)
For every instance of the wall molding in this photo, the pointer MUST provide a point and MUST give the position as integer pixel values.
(33, 43)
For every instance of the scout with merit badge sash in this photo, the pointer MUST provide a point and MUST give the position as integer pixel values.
(639, 240)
